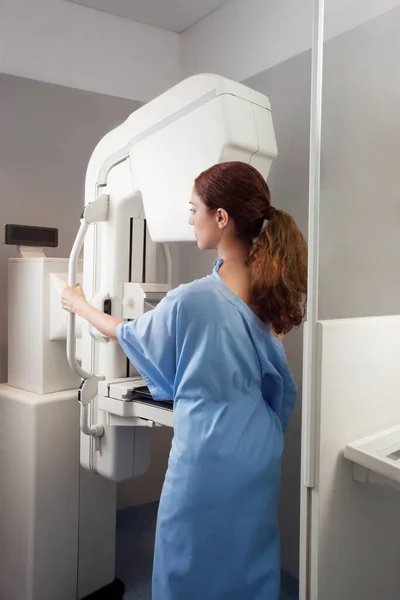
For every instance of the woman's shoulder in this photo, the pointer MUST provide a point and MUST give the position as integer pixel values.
(198, 292)
(193, 288)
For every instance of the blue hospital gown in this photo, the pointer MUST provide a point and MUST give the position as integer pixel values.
(217, 535)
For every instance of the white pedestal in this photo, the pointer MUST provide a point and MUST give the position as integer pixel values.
(52, 512)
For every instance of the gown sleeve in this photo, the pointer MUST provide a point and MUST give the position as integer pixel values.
(149, 342)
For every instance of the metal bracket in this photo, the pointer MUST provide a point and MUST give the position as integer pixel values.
(87, 391)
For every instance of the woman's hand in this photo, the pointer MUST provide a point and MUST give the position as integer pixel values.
(73, 299)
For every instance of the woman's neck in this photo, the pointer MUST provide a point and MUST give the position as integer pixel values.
(234, 255)
(234, 271)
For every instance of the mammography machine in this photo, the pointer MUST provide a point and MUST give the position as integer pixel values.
(59, 519)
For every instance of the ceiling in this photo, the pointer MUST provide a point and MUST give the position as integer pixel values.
(173, 15)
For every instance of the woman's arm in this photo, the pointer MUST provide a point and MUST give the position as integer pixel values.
(73, 301)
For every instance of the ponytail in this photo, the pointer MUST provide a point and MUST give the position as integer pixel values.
(278, 273)
(277, 250)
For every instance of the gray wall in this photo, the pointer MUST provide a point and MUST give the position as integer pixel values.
(360, 192)
(288, 87)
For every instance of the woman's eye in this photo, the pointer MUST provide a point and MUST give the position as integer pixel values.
(192, 210)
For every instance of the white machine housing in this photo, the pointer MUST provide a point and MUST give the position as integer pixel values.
(205, 119)
(147, 168)
(37, 325)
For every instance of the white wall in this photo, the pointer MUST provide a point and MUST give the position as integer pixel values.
(242, 38)
(343, 15)
(355, 526)
(56, 41)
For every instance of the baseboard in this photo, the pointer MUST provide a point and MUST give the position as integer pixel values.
(113, 591)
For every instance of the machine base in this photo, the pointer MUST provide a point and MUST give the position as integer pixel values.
(113, 591)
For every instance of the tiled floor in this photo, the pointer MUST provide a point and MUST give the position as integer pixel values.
(135, 542)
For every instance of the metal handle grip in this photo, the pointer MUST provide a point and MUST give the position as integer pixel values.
(72, 268)
(94, 212)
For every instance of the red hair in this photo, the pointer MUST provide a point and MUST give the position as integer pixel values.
(277, 256)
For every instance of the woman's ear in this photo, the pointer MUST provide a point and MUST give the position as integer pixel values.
(222, 218)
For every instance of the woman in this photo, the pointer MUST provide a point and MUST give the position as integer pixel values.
(212, 346)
